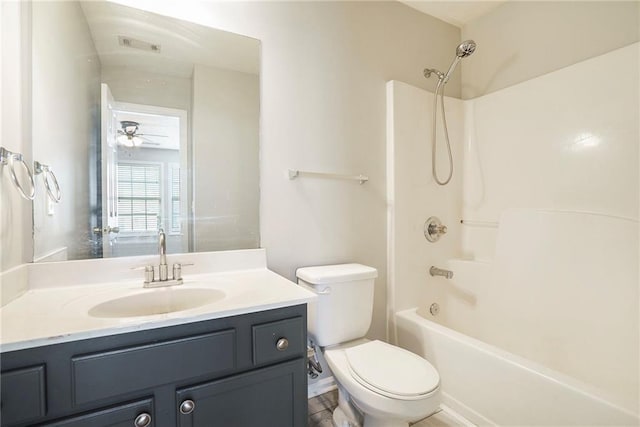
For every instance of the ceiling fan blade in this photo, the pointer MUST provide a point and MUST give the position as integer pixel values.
(147, 141)
(151, 134)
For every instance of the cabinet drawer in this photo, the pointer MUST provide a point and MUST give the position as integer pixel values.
(23, 394)
(118, 416)
(102, 375)
(289, 333)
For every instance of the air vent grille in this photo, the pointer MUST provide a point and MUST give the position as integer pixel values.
(138, 44)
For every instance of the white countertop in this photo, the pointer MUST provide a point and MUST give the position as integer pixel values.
(51, 315)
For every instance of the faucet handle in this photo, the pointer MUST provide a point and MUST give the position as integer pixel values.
(177, 269)
(140, 267)
(149, 272)
(434, 229)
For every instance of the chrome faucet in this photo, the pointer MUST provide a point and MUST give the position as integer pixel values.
(150, 280)
(435, 271)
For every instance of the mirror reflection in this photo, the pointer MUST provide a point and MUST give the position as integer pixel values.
(149, 123)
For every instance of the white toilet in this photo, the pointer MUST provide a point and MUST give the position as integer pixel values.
(390, 386)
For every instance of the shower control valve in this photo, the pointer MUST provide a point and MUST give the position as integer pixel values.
(433, 229)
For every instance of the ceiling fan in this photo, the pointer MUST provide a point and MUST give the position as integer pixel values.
(128, 136)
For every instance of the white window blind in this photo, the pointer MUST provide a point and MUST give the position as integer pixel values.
(139, 197)
(174, 200)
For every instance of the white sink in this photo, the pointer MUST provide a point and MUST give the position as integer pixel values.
(156, 301)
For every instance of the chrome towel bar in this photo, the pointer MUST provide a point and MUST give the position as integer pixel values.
(294, 173)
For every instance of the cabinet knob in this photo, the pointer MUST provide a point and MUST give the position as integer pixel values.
(187, 407)
(142, 420)
(282, 344)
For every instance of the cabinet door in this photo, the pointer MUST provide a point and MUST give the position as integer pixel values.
(22, 395)
(274, 396)
(136, 414)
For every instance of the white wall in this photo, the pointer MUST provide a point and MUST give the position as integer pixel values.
(324, 69)
(520, 40)
(225, 126)
(142, 87)
(414, 196)
(65, 118)
(16, 246)
(562, 147)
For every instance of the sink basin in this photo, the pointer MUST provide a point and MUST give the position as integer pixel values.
(156, 301)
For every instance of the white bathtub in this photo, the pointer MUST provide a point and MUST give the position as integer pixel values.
(489, 386)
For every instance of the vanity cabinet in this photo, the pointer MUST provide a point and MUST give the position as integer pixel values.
(247, 370)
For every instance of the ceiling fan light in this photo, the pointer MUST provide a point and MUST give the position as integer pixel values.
(125, 141)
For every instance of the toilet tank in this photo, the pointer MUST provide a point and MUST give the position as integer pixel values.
(343, 309)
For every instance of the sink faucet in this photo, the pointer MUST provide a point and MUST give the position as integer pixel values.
(163, 268)
(150, 280)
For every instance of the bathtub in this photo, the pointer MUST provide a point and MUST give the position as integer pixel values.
(490, 386)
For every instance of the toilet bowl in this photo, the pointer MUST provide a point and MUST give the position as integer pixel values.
(388, 386)
(392, 387)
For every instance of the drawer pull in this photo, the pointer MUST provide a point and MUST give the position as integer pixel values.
(282, 344)
(142, 420)
(187, 407)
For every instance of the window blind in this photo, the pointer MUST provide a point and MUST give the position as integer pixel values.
(139, 197)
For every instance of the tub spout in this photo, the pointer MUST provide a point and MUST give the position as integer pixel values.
(435, 271)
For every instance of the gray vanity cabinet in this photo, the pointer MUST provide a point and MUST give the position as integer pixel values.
(239, 371)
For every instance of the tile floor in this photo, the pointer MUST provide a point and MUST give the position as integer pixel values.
(321, 409)
(321, 412)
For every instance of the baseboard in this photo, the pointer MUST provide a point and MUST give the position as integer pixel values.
(321, 386)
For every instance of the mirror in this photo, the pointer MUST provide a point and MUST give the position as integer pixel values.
(147, 123)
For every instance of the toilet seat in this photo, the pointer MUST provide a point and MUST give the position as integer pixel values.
(391, 371)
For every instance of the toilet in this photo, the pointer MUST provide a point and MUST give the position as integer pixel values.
(388, 386)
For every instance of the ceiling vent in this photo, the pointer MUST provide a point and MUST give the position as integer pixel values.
(138, 44)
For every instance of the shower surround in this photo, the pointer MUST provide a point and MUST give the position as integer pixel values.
(546, 262)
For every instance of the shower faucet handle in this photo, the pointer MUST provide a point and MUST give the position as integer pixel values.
(433, 229)
(437, 229)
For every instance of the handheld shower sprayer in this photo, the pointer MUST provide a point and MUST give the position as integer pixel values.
(464, 49)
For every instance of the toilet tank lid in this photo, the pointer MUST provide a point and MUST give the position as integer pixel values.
(327, 274)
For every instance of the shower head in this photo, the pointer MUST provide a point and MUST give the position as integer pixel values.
(464, 49)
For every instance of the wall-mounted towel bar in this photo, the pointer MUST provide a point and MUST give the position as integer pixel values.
(8, 158)
(50, 180)
(294, 173)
